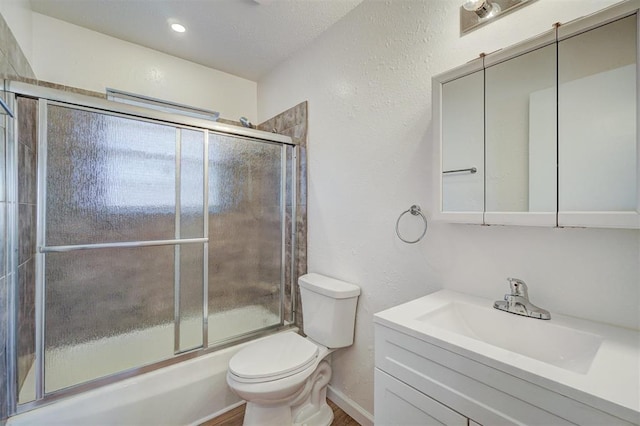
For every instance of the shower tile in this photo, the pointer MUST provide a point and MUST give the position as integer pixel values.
(70, 89)
(17, 58)
(301, 113)
(27, 128)
(302, 173)
(288, 118)
(26, 232)
(27, 112)
(5, 35)
(279, 123)
(6, 70)
(26, 175)
(31, 173)
(13, 55)
(22, 176)
(33, 230)
(299, 132)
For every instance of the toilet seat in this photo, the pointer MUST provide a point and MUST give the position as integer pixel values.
(276, 357)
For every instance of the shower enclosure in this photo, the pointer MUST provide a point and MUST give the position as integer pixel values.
(158, 237)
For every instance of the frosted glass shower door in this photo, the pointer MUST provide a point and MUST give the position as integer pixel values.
(121, 287)
(246, 239)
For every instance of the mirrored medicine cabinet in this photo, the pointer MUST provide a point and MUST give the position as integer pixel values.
(544, 132)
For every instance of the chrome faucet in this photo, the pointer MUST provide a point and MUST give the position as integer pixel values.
(517, 302)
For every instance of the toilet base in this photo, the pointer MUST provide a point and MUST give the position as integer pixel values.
(308, 408)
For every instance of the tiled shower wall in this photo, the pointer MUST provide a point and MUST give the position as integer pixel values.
(293, 123)
(13, 64)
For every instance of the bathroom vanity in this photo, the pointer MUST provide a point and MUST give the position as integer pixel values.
(450, 358)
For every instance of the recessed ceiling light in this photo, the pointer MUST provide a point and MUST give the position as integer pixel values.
(178, 28)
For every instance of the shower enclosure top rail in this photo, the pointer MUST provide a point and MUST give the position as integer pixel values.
(106, 105)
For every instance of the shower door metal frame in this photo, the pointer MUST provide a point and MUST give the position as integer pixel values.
(11, 223)
(56, 97)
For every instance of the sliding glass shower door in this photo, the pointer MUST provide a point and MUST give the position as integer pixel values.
(115, 243)
(246, 223)
(154, 239)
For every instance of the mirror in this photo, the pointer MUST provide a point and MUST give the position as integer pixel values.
(548, 126)
(520, 139)
(463, 145)
(597, 119)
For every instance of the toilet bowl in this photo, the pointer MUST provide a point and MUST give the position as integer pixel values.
(284, 377)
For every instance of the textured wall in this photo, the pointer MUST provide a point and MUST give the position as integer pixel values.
(370, 145)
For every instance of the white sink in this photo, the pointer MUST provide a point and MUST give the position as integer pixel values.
(563, 347)
(594, 363)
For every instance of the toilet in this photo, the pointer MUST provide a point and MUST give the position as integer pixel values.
(284, 377)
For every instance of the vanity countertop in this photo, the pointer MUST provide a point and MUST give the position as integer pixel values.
(607, 378)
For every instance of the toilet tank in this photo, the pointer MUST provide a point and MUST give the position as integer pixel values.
(328, 309)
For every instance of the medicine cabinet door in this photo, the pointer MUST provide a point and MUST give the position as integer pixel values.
(463, 148)
(598, 138)
(520, 139)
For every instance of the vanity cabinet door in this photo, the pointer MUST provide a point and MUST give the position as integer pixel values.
(520, 135)
(461, 96)
(598, 138)
(400, 405)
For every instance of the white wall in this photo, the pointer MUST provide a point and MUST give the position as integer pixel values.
(74, 56)
(368, 83)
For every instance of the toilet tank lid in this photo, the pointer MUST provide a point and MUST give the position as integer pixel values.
(327, 286)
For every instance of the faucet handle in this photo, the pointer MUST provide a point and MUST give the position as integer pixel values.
(518, 287)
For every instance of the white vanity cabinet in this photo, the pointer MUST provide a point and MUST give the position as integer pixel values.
(399, 404)
(411, 373)
(429, 375)
(419, 383)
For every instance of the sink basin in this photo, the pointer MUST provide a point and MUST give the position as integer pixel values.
(544, 341)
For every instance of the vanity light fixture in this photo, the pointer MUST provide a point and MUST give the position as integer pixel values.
(475, 13)
(178, 28)
(483, 8)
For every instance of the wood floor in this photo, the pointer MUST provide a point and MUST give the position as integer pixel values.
(235, 417)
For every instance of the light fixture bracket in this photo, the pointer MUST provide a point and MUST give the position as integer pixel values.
(489, 12)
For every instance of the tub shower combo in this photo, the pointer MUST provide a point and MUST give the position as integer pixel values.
(158, 238)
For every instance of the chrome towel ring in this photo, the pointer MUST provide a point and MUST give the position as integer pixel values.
(415, 211)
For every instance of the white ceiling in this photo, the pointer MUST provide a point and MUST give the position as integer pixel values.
(246, 38)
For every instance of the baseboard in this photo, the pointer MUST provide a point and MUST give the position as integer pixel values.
(350, 407)
(217, 413)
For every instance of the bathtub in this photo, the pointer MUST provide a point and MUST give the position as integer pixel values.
(187, 393)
